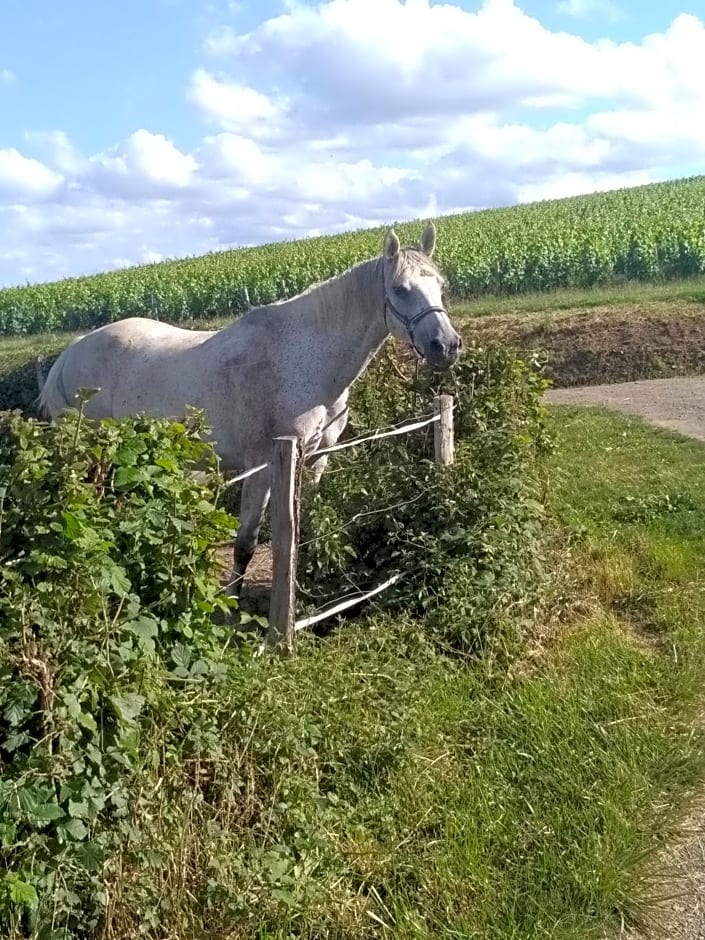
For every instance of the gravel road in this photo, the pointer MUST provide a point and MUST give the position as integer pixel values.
(678, 404)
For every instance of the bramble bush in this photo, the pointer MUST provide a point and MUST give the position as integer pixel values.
(108, 592)
(467, 538)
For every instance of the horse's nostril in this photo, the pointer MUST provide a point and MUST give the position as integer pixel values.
(436, 346)
(460, 342)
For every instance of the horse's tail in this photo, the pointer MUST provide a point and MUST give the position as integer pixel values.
(53, 398)
(41, 375)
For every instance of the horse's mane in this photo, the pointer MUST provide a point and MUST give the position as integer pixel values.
(326, 293)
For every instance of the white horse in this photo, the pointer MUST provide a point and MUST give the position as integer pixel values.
(282, 369)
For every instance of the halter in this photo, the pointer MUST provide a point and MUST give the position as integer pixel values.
(409, 322)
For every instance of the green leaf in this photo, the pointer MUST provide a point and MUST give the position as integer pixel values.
(47, 811)
(146, 628)
(20, 891)
(278, 867)
(26, 799)
(14, 713)
(13, 741)
(286, 897)
(128, 706)
(8, 834)
(78, 809)
(72, 705)
(90, 855)
(94, 754)
(87, 721)
(167, 463)
(127, 476)
(75, 828)
(72, 525)
(113, 578)
(153, 857)
(181, 655)
(126, 456)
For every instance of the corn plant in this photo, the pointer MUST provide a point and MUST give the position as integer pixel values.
(646, 233)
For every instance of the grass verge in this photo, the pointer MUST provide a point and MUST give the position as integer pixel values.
(373, 787)
(672, 294)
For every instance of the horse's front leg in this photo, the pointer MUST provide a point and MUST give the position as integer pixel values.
(253, 502)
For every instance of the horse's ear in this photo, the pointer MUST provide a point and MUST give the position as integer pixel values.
(428, 239)
(391, 245)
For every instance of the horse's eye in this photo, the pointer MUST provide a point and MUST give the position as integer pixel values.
(401, 290)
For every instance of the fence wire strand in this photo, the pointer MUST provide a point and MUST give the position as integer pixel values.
(353, 442)
(306, 622)
(363, 515)
(377, 436)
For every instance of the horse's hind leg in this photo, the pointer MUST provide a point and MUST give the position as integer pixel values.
(330, 436)
(317, 467)
(253, 502)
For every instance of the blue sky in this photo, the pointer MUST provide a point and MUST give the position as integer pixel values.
(155, 128)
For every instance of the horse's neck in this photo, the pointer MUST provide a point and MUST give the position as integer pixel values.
(346, 316)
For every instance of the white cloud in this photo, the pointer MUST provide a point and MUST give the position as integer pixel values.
(384, 60)
(7, 77)
(22, 178)
(360, 183)
(234, 106)
(56, 150)
(571, 183)
(235, 158)
(145, 165)
(355, 112)
(362, 61)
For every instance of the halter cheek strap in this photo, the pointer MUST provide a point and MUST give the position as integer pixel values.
(409, 322)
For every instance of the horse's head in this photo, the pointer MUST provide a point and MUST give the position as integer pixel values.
(413, 300)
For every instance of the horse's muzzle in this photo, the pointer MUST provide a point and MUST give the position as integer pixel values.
(442, 355)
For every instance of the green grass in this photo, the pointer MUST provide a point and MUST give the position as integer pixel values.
(551, 807)
(381, 789)
(668, 296)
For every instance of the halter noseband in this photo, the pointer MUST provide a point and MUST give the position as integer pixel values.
(409, 322)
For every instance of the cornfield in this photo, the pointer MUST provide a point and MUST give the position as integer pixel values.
(646, 233)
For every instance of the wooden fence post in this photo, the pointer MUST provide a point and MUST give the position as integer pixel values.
(443, 429)
(285, 538)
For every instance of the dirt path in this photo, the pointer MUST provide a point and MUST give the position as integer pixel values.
(677, 404)
(679, 876)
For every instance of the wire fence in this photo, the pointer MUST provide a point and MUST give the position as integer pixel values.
(285, 515)
(402, 428)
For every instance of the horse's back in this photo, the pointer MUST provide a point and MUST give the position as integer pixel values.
(131, 362)
(145, 332)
